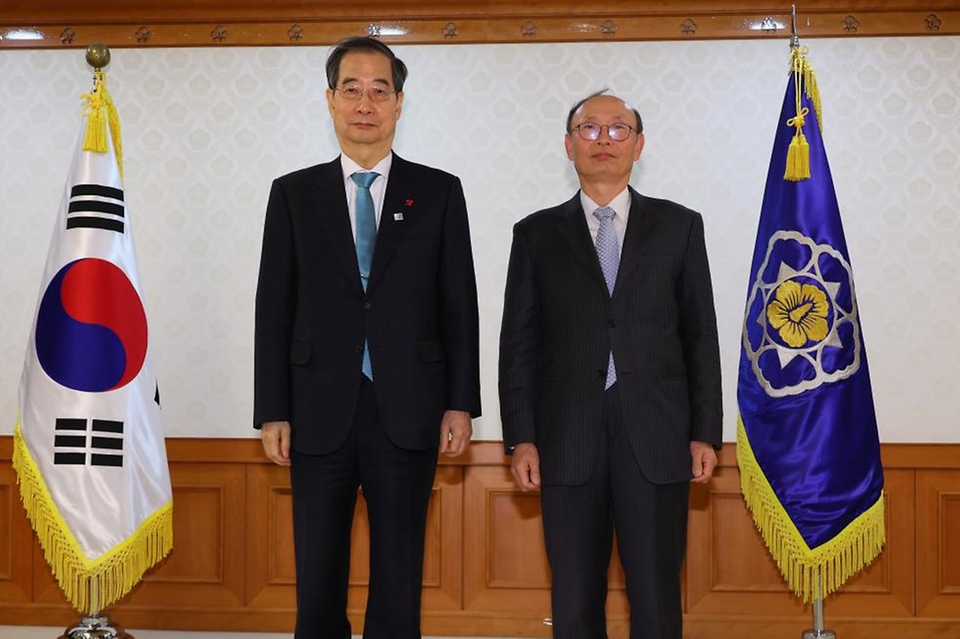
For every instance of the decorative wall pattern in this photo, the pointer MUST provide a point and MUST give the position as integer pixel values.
(206, 130)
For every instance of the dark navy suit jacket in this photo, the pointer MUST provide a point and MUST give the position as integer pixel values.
(419, 312)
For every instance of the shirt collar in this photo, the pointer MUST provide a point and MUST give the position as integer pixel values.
(620, 204)
(350, 167)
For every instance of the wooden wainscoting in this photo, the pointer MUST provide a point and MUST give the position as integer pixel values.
(485, 571)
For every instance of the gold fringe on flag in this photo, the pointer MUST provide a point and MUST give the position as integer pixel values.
(101, 113)
(836, 561)
(114, 573)
(798, 153)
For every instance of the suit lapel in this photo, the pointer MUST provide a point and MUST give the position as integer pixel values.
(640, 225)
(572, 226)
(330, 200)
(399, 194)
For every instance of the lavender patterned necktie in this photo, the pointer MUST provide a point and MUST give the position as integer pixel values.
(608, 251)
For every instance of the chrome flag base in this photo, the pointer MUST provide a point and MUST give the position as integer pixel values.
(818, 634)
(96, 627)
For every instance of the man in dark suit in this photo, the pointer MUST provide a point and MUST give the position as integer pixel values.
(610, 378)
(366, 348)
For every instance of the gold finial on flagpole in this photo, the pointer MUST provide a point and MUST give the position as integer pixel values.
(99, 109)
(98, 55)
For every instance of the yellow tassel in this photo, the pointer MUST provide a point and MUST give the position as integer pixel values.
(812, 91)
(114, 121)
(101, 113)
(798, 159)
(95, 138)
(798, 153)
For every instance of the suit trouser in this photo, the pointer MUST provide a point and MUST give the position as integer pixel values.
(396, 486)
(651, 526)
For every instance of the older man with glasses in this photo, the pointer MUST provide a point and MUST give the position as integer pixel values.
(366, 348)
(610, 378)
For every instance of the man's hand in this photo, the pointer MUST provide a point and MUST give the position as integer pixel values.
(275, 437)
(704, 461)
(526, 466)
(456, 430)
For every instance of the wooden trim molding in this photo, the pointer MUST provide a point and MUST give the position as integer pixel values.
(485, 569)
(191, 23)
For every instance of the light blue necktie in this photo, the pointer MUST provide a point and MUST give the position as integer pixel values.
(366, 241)
(608, 250)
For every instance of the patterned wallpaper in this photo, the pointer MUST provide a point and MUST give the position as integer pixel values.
(206, 130)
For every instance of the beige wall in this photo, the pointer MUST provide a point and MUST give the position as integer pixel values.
(206, 130)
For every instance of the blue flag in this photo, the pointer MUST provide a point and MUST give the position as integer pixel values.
(807, 442)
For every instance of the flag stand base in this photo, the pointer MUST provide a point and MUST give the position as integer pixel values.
(98, 627)
(818, 634)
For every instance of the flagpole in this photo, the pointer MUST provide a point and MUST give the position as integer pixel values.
(818, 631)
(95, 625)
(794, 38)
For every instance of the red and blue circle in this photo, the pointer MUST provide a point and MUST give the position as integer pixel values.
(91, 327)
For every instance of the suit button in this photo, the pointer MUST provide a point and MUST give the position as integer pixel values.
(367, 306)
(601, 373)
(358, 349)
(611, 323)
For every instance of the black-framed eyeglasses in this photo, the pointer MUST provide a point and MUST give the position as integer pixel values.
(355, 92)
(591, 131)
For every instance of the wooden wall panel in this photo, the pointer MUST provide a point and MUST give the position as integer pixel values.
(45, 588)
(485, 566)
(16, 537)
(201, 578)
(722, 580)
(202, 571)
(443, 557)
(721, 536)
(505, 565)
(271, 571)
(209, 536)
(938, 544)
(442, 549)
(888, 583)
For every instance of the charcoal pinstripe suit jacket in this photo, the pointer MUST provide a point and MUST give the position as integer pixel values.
(560, 323)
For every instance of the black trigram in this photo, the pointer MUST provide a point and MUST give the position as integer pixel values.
(76, 445)
(94, 206)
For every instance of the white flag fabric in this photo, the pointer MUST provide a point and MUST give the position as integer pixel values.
(88, 447)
